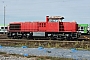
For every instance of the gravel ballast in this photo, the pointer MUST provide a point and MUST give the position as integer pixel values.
(52, 52)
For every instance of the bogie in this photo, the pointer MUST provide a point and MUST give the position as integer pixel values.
(45, 35)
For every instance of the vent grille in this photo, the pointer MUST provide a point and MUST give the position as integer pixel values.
(15, 27)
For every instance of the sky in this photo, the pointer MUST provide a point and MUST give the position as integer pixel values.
(37, 10)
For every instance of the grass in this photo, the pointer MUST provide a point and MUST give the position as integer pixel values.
(81, 44)
(2, 53)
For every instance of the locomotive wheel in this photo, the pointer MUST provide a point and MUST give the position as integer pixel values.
(20, 37)
(29, 37)
(10, 37)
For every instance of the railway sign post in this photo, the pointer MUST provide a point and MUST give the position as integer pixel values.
(4, 17)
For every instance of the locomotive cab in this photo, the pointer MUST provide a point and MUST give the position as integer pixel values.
(61, 30)
(54, 18)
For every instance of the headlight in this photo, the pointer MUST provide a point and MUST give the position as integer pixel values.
(67, 34)
(28, 34)
(13, 34)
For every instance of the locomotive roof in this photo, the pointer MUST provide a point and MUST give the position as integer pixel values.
(56, 17)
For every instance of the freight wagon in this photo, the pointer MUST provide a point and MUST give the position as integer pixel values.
(53, 28)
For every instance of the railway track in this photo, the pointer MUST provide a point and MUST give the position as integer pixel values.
(82, 37)
(85, 37)
(3, 36)
(21, 40)
(81, 42)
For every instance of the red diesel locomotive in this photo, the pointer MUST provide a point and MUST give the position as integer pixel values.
(53, 28)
